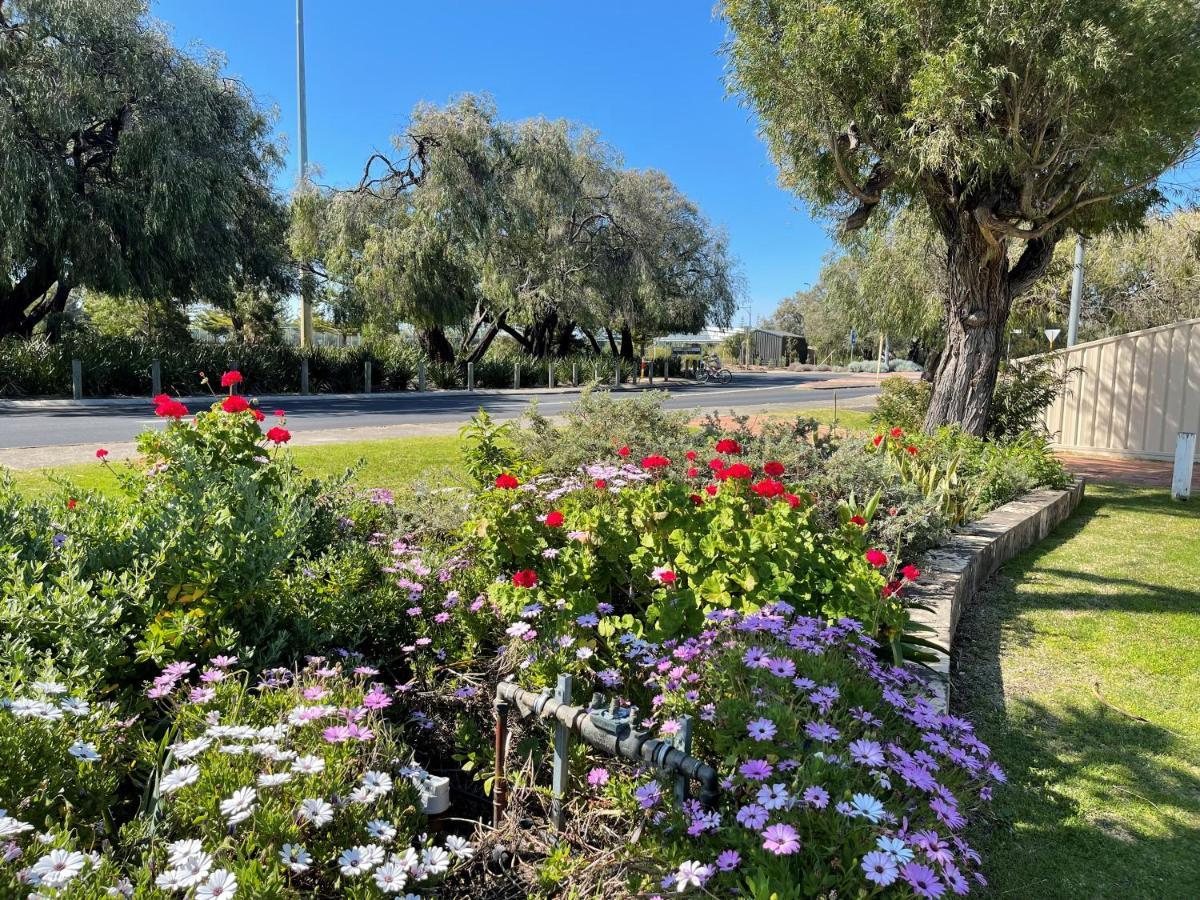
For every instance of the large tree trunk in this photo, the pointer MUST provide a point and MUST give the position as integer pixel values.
(436, 345)
(980, 287)
(626, 342)
(978, 300)
(14, 300)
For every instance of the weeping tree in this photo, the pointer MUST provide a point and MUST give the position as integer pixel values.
(475, 227)
(126, 166)
(1010, 121)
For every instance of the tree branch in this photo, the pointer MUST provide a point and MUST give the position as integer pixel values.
(1031, 264)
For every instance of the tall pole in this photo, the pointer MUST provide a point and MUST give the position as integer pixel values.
(306, 281)
(1076, 292)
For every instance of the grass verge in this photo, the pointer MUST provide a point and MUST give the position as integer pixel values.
(1081, 667)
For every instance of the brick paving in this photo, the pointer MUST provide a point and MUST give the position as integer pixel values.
(1113, 470)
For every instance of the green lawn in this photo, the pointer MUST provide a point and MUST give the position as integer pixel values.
(1081, 668)
(386, 463)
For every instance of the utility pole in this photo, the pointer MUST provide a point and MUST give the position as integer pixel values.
(1076, 292)
(306, 280)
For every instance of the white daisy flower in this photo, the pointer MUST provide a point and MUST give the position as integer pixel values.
(221, 885)
(309, 765)
(49, 687)
(10, 827)
(74, 706)
(377, 782)
(239, 806)
(177, 851)
(58, 868)
(84, 751)
(295, 857)
(190, 749)
(381, 830)
(460, 847)
(317, 813)
(435, 860)
(274, 779)
(391, 878)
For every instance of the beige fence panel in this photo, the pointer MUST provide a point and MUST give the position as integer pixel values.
(1132, 394)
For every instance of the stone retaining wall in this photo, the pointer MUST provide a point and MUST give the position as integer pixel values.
(955, 571)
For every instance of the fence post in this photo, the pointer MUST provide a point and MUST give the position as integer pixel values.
(77, 379)
(516, 376)
(562, 756)
(470, 376)
(421, 375)
(682, 739)
(304, 376)
(155, 378)
(366, 376)
(650, 369)
(596, 373)
(1185, 459)
(617, 373)
(550, 374)
(574, 374)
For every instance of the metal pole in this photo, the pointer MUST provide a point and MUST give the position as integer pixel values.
(1076, 292)
(367, 377)
(306, 281)
(562, 756)
(304, 376)
(470, 376)
(77, 379)
(155, 378)
(499, 780)
(516, 376)
(550, 374)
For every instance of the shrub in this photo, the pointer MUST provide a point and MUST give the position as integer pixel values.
(298, 787)
(1023, 391)
(840, 777)
(901, 402)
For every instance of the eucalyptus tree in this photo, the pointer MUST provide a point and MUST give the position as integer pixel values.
(1010, 121)
(126, 166)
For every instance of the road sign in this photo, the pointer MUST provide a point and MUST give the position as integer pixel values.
(853, 336)
(1052, 334)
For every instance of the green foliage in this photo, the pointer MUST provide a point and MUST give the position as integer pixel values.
(128, 166)
(902, 402)
(488, 448)
(1023, 391)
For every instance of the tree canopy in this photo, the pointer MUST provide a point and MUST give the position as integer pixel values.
(126, 166)
(1008, 121)
(533, 228)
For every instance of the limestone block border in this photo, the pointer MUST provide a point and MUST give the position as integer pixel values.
(953, 572)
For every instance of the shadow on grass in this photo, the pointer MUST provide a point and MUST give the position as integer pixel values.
(1100, 804)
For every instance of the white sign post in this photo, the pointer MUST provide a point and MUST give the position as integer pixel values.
(1185, 458)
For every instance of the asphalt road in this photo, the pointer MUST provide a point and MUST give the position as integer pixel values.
(43, 425)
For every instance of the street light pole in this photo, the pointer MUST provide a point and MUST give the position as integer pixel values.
(1076, 292)
(306, 281)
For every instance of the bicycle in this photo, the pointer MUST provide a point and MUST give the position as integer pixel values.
(717, 373)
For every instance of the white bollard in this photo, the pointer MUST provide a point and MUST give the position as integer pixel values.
(1185, 459)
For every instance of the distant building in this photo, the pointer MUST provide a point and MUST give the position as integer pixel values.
(767, 347)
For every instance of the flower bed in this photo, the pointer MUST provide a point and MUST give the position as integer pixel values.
(757, 583)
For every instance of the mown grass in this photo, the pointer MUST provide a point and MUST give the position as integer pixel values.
(1081, 668)
(383, 463)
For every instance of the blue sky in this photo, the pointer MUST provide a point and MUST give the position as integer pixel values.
(646, 75)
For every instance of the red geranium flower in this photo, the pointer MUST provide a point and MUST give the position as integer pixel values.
(624, 451)
(691, 455)
(737, 470)
(71, 503)
(711, 490)
(877, 440)
(171, 409)
(773, 468)
(506, 482)
(911, 572)
(896, 432)
(696, 499)
(650, 463)
(768, 487)
(279, 435)
(792, 499)
(230, 378)
(258, 414)
(857, 520)
(693, 472)
(728, 446)
(234, 404)
(526, 578)
(101, 453)
(892, 587)
(716, 464)
(877, 558)
(600, 484)
(279, 413)
(160, 399)
(554, 519)
(911, 449)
